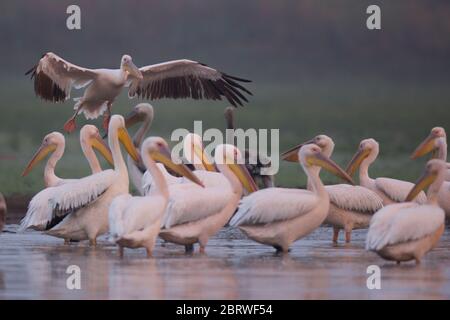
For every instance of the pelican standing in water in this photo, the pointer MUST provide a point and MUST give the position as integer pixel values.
(194, 214)
(136, 221)
(390, 190)
(55, 143)
(351, 207)
(263, 180)
(436, 142)
(280, 216)
(407, 231)
(83, 205)
(142, 113)
(54, 78)
(2, 212)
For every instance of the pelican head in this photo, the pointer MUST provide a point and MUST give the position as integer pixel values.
(433, 177)
(49, 144)
(431, 143)
(158, 150)
(128, 66)
(90, 136)
(142, 112)
(229, 155)
(322, 140)
(117, 125)
(195, 153)
(368, 149)
(311, 155)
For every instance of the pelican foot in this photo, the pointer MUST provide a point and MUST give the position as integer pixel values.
(93, 242)
(335, 235)
(70, 125)
(348, 236)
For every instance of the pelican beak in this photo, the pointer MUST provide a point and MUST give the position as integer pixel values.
(323, 161)
(125, 139)
(163, 155)
(241, 172)
(100, 145)
(291, 155)
(201, 154)
(356, 161)
(425, 147)
(134, 71)
(40, 154)
(132, 118)
(424, 181)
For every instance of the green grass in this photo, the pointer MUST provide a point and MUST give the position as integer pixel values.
(398, 115)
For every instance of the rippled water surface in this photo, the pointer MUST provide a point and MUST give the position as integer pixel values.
(33, 266)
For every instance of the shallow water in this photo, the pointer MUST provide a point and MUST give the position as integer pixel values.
(33, 266)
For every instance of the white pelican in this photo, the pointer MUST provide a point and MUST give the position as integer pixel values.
(194, 214)
(2, 212)
(407, 231)
(265, 181)
(351, 207)
(55, 143)
(136, 221)
(280, 216)
(195, 155)
(390, 190)
(83, 205)
(436, 142)
(54, 78)
(142, 113)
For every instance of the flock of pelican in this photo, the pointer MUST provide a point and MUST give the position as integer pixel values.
(187, 202)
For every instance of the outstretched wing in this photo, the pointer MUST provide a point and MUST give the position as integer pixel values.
(54, 77)
(273, 204)
(188, 79)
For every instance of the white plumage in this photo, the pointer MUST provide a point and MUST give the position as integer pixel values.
(272, 205)
(397, 190)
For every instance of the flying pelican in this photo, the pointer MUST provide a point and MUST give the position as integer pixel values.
(280, 216)
(265, 181)
(390, 190)
(143, 113)
(407, 231)
(2, 212)
(55, 143)
(351, 207)
(54, 78)
(136, 221)
(436, 142)
(194, 214)
(83, 205)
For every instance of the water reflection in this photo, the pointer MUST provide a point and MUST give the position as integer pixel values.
(34, 266)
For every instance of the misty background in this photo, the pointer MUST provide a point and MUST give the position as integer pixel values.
(315, 67)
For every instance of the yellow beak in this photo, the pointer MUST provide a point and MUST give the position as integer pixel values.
(326, 163)
(40, 154)
(356, 161)
(125, 139)
(291, 155)
(163, 156)
(201, 154)
(100, 145)
(425, 147)
(424, 181)
(244, 176)
(133, 70)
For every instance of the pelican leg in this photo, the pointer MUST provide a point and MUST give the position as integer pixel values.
(202, 249)
(120, 252)
(70, 125)
(189, 248)
(66, 241)
(348, 236)
(335, 234)
(93, 242)
(107, 117)
(149, 252)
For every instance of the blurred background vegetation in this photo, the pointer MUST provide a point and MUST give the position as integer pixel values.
(315, 69)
